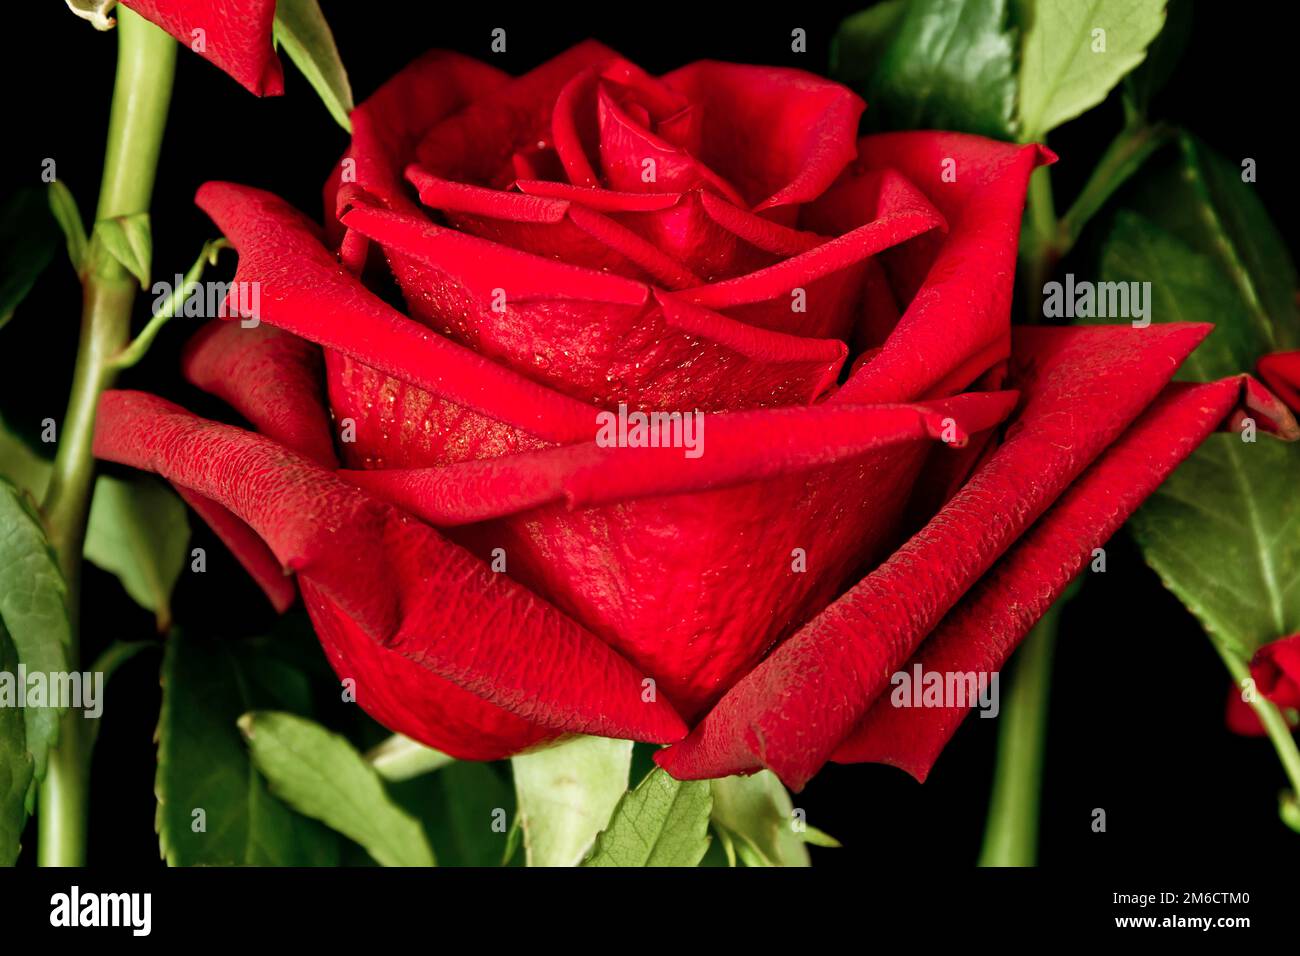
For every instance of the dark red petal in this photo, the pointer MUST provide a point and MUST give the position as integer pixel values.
(553, 228)
(980, 633)
(236, 36)
(387, 126)
(476, 144)
(829, 274)
(629, 151)
(405, 697)
(411, 593)
(780, 135)
(274, 379)
(305, 291)
(598, 337)
(1082, 387)
(735, 448)
(1276, 669)
(249, 550)
(705, 234)
(1281, 372)
(958, 323)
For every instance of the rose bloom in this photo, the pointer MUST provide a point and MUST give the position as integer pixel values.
(888, 474)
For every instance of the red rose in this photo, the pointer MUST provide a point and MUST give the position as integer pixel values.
(1275, 668)
(588, 240)
(233, 34)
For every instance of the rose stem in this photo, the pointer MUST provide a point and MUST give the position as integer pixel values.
(1011, 831)
(141, 94)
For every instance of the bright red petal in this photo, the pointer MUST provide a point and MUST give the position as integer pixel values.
(980, 633)
(1082, 388)
(235, 35)
(407, 594)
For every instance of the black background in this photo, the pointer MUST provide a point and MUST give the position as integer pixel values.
(1136, 724)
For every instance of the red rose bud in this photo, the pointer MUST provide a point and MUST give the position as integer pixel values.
(701, 416)
(1275, 669)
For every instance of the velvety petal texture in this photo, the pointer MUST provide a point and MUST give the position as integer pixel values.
(233, 34)
(663, 408)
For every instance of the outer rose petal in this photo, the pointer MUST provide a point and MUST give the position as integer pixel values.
(980, 633)
(1082, 389)
(741, 447)
(407, 594)
(236, 35)
(958, 323)
(274, 379)
(1281, 372)
(310, 295)
(387, 126)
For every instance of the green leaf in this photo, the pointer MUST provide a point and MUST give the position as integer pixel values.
(1162, 58)
(756, 811)
(66, 214)
(320, 774)
(28, 239)
(947, 64)
(401, 758)
(566, 794)
(860, 42)
(663, 822)
(139, 531)
(33, 611)
(1223, 532)
(129, 240)
(1064, 71)
(26, 469)
(467, 809)
(16, 764)
(1204, 201)
(208, 683)
(301, 29)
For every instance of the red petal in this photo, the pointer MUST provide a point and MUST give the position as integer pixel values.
(236, 36)
(389, 124)
(306, 292)
(552, 228)
(476, 144)
(780, 135)
(598, 337)
(829, 274)
(249, 550)
(1276, 669)
(980, 633)
(958, 324)
(409, 593)
(1281, 372)
(1082, 387)
(735, 448)
(275, 380)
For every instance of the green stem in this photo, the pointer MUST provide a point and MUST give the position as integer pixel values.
(132, 353)
(1125, 156)
(1011, 832)
(1038, 256)
(141, 95)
